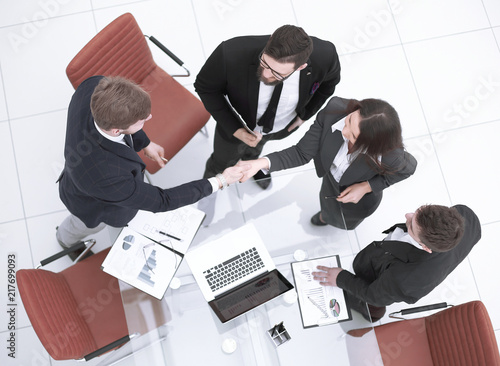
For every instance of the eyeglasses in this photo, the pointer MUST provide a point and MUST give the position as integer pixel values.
(276, 74)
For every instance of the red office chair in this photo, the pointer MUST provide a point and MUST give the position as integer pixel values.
(120, 49)
(459, 336)
(77, 313)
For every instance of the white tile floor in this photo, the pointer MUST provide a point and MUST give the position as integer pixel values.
(436, 62)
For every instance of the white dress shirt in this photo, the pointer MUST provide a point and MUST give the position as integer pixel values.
(400, 235)
(289, 98)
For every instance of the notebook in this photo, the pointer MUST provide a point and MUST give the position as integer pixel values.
(236, 273)
(149, 250)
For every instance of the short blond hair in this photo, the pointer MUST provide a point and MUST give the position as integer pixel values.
(119, 103)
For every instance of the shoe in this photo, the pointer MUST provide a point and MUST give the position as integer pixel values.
(263, 180)
(376, 313)
(372, 314)
(76, 253)
(316, 220)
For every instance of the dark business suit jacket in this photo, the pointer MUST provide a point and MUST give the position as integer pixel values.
(103, 181)
(322, 144)
(232, 70)
(394, 271)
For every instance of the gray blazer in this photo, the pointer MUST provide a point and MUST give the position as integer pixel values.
(322, 145)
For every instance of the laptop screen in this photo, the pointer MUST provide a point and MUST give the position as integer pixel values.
(250, 295)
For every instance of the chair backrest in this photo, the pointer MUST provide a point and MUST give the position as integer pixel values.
(119, 49)
(74, 312)
(54, 315)
(462, 336)
(459, 336)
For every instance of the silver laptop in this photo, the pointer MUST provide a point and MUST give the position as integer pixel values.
(236, 273)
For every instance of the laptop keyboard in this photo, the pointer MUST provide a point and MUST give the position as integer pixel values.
(233, 269)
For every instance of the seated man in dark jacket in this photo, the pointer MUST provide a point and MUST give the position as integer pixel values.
(411, 261)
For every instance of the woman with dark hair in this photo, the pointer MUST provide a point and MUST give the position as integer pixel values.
(358, 151)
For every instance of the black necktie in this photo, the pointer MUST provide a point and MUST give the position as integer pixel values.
(267, 119)
(391, 229)
(129, 141)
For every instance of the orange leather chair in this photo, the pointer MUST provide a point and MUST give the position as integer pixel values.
(459, 336)
(77, 313)
(120, 49)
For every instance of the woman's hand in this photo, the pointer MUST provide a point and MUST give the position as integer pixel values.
(253, 167)
(354, 193)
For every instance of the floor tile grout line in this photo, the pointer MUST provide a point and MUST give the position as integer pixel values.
(33, 216)
(37, 114)
(420, 103)
(294, 13)
(198, 31)
(16, 164)
(92, 9)
(403, 43)
(491, 26)
(454, 129)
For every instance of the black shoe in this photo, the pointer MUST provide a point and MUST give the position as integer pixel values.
(76, 253)
(316, 220)
(376, 312)
(263, 180)
(372, 314)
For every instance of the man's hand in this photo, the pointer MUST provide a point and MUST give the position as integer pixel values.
(354, 193)
(327, 276)
(297, 123)
(235, 173)
(249, 139)
(253, 167)
(155, 152)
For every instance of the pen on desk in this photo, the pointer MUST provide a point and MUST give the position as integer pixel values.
(170, 236)
(319, 307)
(164, 246)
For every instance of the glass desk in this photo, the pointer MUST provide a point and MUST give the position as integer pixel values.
(182, 329)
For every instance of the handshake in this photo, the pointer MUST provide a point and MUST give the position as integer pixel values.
(244, 170)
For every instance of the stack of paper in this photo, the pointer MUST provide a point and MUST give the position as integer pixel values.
(149, 250)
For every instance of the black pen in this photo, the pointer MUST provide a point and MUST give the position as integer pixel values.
(170, 236)
(164, 246)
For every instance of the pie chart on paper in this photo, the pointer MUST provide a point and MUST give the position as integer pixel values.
(127, 242)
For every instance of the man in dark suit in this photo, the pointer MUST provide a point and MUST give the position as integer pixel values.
(411, 261)
(103, 178)
(261, 88)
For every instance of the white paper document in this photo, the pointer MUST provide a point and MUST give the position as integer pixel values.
(149, 250)
(319, 305)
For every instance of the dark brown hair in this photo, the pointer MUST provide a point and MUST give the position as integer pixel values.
(440, 228)
(119, 103)
(379, 129)
(289, 44)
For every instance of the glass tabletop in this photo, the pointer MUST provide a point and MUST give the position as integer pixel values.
(183, 330)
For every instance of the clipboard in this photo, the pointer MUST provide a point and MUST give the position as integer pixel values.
(148, 252)
(243, 123)
(319, 305)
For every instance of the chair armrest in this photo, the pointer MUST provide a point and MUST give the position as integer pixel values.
(108, 347)
(81, 245)
(419, 309)
(170, 54)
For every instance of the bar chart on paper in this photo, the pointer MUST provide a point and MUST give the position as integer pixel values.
(147, 270)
